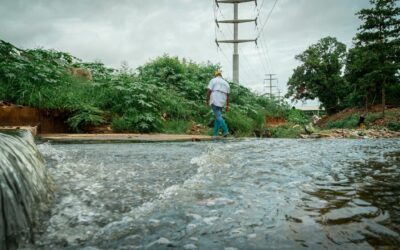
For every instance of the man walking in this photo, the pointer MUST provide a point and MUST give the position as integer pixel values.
(217, 96)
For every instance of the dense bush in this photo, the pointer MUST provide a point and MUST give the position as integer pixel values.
(296, 116)
(347, 122)
(394, 125)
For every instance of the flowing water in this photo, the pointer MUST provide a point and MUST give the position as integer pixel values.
(25, 188)
(248, 194)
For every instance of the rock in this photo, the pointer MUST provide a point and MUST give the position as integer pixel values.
(81, 73)
(361, 133)
(309, 129)
(315, 119)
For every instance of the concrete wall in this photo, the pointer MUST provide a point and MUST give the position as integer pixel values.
(48, 121)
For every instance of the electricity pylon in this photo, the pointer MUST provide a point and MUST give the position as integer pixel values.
(236, 21)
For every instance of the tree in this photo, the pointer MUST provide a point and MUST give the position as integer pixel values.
(379, 36)
(320, 75)
(361, 73)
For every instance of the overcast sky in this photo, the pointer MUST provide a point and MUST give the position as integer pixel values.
(137, 31)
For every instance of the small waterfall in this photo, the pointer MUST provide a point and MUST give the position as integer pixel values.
(25, 188)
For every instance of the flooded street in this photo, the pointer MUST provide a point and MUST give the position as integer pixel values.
(248, 194)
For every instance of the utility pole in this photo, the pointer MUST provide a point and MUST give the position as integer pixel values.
(236, 21)
(270, 79)
(279, 95)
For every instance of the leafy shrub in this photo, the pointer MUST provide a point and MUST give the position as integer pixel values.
(394, 125)
(371, 117)
(134, 121)
(86, 115)
(297, 117)
(239, 123)
(348, 122)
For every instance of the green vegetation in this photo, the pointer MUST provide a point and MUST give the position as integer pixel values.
(347, 122)
(296, 116)
(394, 125)
(319, 76)
(286, 131)
(165, 95)
(365, 75)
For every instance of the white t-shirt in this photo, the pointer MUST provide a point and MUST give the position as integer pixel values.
(219, 91)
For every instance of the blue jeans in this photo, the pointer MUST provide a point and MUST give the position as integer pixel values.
(219, 121)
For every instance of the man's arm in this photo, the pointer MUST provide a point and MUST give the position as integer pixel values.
(227, 102)
(208, 96)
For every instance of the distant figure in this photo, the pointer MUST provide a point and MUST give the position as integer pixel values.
(217, 96)
(361, 122)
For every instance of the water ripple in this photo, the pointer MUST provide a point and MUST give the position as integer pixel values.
(248, 194)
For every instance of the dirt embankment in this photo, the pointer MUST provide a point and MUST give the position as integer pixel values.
(46, 121)
(373, 124)
(392, 114)
(275, 121)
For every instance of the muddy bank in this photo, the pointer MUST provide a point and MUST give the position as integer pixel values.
(46, 121)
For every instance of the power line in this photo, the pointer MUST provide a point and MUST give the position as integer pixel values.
(259, 9)
(261, 53)
(264, 48)
(247, 68)
(264, 44)
(263, 63)
(215, 30)
(248, 63)
(244, 56)
(266, 20)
